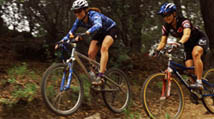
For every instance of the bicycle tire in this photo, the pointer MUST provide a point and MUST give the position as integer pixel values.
(171, 107)
(112, 99)
(208, 101)
(47, 89)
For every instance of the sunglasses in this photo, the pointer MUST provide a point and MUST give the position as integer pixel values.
(77, 11)
(166, 15)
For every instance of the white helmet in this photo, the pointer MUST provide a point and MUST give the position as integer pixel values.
(78, 4)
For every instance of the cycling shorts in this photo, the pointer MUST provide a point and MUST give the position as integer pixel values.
(202, 42)
(113, 32)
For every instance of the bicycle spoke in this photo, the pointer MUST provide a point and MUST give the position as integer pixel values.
(155, 105)
(208, 83)
(63, 102)
(118, 99)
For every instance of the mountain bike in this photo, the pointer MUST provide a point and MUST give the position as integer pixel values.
(62, 87)
(162, 94)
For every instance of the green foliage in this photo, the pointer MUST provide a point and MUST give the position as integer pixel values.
(86, 86)
(119, 57)
(20, 70)
(22, 85)
(132, 115)
(28, 92)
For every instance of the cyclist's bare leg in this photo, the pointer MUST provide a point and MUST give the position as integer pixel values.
(196, 54)
(189, 63)
(107, 42)
(93, 49)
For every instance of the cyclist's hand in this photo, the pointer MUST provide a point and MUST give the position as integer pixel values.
(78, 38)
(154, 53)
(176, 45)
(71, 36)
(56, 46)
(58, 43)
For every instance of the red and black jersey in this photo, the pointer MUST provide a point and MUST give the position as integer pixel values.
(181, 24)
(196, 38)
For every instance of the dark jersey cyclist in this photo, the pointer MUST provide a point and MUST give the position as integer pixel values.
(104, 32)
(195, 42)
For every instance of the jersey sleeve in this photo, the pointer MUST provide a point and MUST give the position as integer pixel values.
(186, 24)
(97, 23)
(164, 31)
(75, 26)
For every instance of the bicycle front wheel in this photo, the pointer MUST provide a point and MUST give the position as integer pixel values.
(61, 102)
(170, 107)
(208, 92)
(116, 97)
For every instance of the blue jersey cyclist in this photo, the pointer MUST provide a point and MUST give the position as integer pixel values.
(104, 32)
(195, 42)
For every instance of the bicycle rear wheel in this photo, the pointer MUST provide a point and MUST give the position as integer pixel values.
(116, 98)
(64, 102)
(169, 108)
(208, 100)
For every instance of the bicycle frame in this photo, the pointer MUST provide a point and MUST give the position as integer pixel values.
(75, 56)
(172, 69)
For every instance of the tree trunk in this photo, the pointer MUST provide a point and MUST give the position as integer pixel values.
(178, 7)
(208, 16)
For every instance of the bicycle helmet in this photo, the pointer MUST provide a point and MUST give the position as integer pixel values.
(79, 4)
(167, 8)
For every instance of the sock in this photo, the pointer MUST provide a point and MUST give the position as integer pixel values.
(100, 74)
(199, 81)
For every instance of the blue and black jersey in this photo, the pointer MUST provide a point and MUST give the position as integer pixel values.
(96, 22)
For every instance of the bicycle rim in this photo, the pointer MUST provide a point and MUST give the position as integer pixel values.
(61, 102)
(208, 101)
(117, 100)
(169, 108)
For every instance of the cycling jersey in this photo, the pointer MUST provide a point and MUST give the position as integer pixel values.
(96, 22)
(181, 24)
(196, 38)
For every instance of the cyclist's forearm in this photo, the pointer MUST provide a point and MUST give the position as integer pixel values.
(160, 46)
(162, 43)
(186, 35)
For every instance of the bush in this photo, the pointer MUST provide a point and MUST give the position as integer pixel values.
(22, 85)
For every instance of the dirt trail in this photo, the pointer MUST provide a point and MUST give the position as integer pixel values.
(37, 109)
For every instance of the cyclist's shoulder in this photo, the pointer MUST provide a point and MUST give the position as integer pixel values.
(182, 20)
(93, 12)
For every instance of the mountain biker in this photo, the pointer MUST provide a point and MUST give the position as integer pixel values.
(195, 42)
(102, 28)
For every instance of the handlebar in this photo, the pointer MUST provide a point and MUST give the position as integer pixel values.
(166, 51)
(70, 41)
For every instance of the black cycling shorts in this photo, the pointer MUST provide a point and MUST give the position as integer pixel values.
(113, 32)
(203, 42)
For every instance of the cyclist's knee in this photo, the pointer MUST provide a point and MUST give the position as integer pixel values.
(104, 49)
(196, 55)
(91, 54)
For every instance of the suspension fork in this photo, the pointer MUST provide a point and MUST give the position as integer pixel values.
(166, 92)
(70, 63)
(68, 83)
